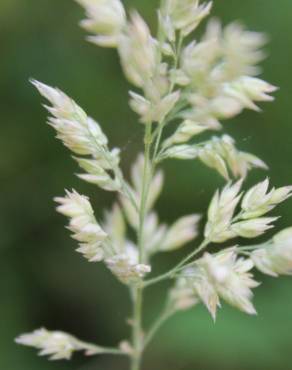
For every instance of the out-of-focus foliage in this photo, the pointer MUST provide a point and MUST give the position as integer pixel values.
(43, 281)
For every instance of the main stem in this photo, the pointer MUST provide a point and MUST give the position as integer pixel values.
(137, 329)
(138, 290)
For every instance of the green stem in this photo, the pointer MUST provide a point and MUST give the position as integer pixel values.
(159, 134)
(138, 290)
(137, 329)
(145, 189)
(92, 349)
(111, 351)
(253, 247)
(170, 274)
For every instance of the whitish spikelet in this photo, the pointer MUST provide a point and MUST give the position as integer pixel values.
(181, 232)
(137, 50)
(222, 223)
(105, 20)
(248, 90)
(242, 50)
(183, 296)
(214, 277)
(231, 278)
(154, 233)
(56, 344)
(153, 112)
(275, 258)
(218, 153)
(186, 15)
(258, 201)
(79, 133)
(220, 213)
(83, 136)
(83, 224)
(125, 265)
(254, 227)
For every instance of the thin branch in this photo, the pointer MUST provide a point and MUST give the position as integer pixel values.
(171, 274)
(138, 290)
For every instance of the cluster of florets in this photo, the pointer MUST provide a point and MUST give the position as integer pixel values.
(190, 87)
(56, 344)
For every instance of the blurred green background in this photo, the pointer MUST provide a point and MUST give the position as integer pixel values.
(42, 280)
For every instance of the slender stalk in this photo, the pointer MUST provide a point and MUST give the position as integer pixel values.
(172, 272)
(114, 351)
(253, 247)
(159, 134)
(138, 290)
(145, 189)
(110, 351)
(137, 329)
(93, 349)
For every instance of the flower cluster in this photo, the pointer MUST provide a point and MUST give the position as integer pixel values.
(188, 86)
(218, 153)
(109, 242)
(211, 79)
(84, 226)
(137, 50)
(222, 222)
(183, 16)
(124, 263)
(258, 201)
(217, 74)
(105, 20)
(95, 243)
(213, 276)
(275, 257)
(83, 136)
(141, 56)
(56, 344)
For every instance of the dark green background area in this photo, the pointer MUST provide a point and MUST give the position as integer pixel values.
(42, 280)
